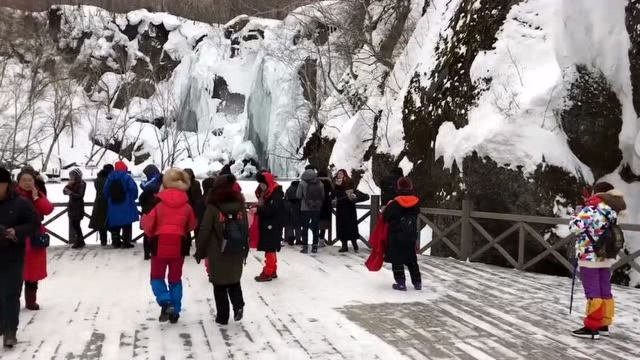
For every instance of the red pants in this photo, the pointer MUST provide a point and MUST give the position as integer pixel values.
(159, 268)
(271, 263)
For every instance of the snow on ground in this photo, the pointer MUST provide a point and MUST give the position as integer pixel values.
(97, 304)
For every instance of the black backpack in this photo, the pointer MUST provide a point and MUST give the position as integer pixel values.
(235, 235)
(408, 225)
(314, 198)
(117, 192)
(610, 242)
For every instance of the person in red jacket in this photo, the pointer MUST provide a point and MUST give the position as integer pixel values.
(168, 226)
(35, 262)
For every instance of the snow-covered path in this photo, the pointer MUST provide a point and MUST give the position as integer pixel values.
(97, 304)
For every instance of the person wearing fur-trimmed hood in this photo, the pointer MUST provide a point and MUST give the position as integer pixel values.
(601, 211)
(168, 226)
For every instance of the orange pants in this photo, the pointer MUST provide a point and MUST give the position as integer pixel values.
(270, 264)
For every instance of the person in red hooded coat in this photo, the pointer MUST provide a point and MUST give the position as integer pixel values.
(35, 263)
(168, 226)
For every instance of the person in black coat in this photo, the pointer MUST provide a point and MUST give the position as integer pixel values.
(293, 224)
(201, 207)
(195, 191)
(270, 213)
(402, 216)
(75, 190)
(148, 200)
(98, 219)
(326, 213)
(346, 212)
(18, 221)
(389, 183)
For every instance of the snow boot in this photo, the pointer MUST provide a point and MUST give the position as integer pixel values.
(9, 339)
(291, 241)
(314, 249)
(417, 286)
(173, 318)
(30, 297)
(585, 333)
(238, 314)
(165, 312)
(275, 275)
(264, 278)
(305, 249)
(344, 248)
(79, 244)
(604, 331)
(400, 287)
(221, 321)
(127, 245)
(355, 246)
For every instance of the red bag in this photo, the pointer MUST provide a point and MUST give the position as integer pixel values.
(378, 243)
(254, 230)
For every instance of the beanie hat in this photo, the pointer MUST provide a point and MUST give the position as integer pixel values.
(5, 176)
(108, 167)
(404, 183)
(120, 166)
(77, 172)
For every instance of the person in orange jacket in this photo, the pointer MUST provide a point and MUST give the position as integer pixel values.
(168, 226)
(402, 215)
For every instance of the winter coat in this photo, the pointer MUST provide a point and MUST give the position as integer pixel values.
(224, 269)
(195, 193)
(326, 213)
(99, 212)
(125, 213)
(401, 246)
(346, 215)
(76, 192)
(309, 179)
(16, 213)
(270, 217)
(169, 223)
(35, 262)
(292, 204)
(150, 189)
(599, 212)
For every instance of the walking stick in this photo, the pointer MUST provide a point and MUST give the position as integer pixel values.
(573, 284)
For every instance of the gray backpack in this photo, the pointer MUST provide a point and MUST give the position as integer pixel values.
(314, 197)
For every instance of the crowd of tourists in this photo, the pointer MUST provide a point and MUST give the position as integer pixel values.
(174, 205)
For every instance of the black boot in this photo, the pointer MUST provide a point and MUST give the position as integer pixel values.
(355, 245)
(305, 249)
(116, 240)
(165, 312)
(79, 244)
(314, 249)
(173, 318)
(238, 314)
(9, 339)
(585, 333)
(344, 247)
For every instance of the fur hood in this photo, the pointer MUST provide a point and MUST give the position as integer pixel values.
(615, 199)
(176, 179)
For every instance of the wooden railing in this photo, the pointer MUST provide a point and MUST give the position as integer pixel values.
(468, 224)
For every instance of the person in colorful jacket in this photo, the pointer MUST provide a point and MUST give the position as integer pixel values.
(35, 263)
(168, 226)
(402, 216)
(600, 211)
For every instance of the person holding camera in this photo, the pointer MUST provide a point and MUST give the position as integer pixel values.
(35, 263)
(18, 221)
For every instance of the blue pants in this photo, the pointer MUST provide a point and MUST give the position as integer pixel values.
(173, 293)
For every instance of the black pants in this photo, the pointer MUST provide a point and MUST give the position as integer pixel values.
(122, 234)
(222, 295)
(10, 291)
(310, 221)
(293, 232)
(146, 245)
(77, 229)
(414, 272)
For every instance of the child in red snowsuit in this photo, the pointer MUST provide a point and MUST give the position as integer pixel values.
(168, 226)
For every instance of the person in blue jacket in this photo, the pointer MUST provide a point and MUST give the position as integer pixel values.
(121, 193)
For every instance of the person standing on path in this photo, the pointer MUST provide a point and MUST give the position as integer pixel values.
(326, 213)
(148, 200)
(225, 270)
(195, 193)
(168, 226)
(600, 212)
(346, 212)
(121, 193)
(18, 221)
(270, 213)
(35, 264)
(75, 189)
(401, 214)
(311, 194)
(293, 225)
(99, 213)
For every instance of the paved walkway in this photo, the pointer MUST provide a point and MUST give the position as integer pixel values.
(97, 304)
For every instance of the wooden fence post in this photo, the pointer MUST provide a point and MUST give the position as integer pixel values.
(375, 210)
(466, 233)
